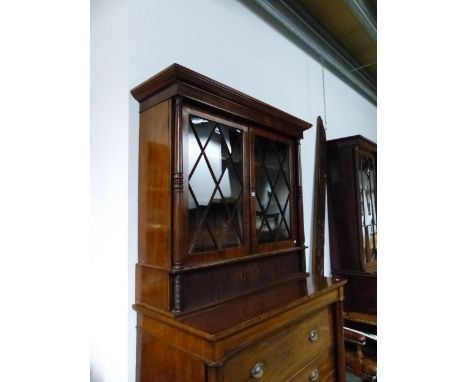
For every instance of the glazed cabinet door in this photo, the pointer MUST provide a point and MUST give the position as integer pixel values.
(215, 187)
(366, 189)
(273, 191)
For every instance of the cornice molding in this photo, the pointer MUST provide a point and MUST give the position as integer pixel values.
(292, 15)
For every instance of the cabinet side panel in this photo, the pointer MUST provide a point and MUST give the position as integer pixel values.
(360, 292)
(159, 361)
(340, 369)
(344, 246)
(152, 287)
(154, 185)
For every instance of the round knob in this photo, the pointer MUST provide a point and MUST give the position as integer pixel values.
(314, 375)
(258, 370)
(313, 335)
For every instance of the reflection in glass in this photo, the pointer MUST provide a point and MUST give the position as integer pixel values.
(273, 218)
(215, 185)
(368, 206)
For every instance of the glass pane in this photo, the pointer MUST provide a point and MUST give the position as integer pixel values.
(273, 219)
(215, 185)
(368, 203)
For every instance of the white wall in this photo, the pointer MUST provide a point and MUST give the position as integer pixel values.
(109, 191)
(225, 40)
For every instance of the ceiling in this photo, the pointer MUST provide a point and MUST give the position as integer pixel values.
(341, 33)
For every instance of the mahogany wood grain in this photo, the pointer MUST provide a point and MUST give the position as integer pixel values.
(154, 186)
(354, 337)
(152, 287)
(158, 360)
(207, 315)
(236, 278)
(360, 291)
(215, 345)
(325, 365)
(280, 352)
(318, 220)
(179, 186)
(340, 368)
(299, 195)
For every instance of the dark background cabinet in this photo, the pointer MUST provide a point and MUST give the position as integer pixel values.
(352, 208)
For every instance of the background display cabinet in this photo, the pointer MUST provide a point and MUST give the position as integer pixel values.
(352, 208)
(222, 292)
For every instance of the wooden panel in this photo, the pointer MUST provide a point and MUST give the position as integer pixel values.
(281, 353)
(342, 209)
(154, 185)
(318, 220)
(325, 366)
(360, 292)
(209, 285)
(181, 337)
(224, 316)
(339, 341)
(159, 361)
(152, 287)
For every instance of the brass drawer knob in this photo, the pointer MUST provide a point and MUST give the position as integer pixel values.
(258, 370)
(313, 335)
(314, 375)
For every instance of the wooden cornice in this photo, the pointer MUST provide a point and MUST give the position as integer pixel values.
(179, 80)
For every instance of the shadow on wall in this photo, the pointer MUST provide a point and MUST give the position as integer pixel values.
(95, 375)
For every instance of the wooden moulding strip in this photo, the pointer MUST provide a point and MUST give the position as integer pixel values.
(320, 299)
(226, 262)
(178, 74)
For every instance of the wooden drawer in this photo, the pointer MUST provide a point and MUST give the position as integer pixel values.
(283, 353)
(319, 370)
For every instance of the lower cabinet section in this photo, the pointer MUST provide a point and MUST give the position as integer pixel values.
(280, 354)
(301, 341)
(320, 369)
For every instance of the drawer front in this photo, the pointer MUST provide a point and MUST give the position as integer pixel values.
(280, 355)
(319, 370)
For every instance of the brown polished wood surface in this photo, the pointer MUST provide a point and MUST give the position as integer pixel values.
(231, 344)
(282, 351)
(346, 240)
(318, 220)
(222, 293)
(154, 186)
(352, 257)
(322, 366)
(347, 256)
(177, 79)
